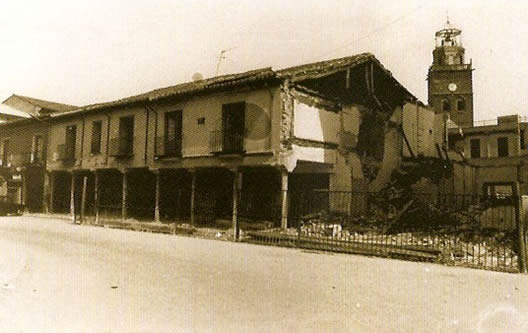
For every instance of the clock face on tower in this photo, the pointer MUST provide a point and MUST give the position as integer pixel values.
(452, 87)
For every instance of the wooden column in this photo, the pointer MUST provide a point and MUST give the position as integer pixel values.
(96, 196)
(45, 192)
(124, 197)
(51, 193)
(284, 199)
(157, 197)
(193, 194)
(72, 199)
(237, 186)
(83, 198)
(23, 189)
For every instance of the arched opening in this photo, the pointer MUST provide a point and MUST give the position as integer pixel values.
(446, 106)
(461, 104)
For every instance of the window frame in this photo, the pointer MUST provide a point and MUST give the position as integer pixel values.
(462, 101)
(446, 105)
(475, 150)
(503, 150)
(96, 138)
(177, 117)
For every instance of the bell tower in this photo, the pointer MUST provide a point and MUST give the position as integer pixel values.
(450, 78)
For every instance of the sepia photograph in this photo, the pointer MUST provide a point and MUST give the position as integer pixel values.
(278, 166)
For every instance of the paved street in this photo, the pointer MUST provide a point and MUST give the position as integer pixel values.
(55, 276)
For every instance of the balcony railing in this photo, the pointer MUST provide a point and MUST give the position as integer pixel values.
(66, 152)
(168, 147)
(22, 159)
(122, 147)
(5, 162)
(37, 157)
(225, 143)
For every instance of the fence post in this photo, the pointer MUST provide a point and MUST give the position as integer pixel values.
(519, 217)
(521, 246)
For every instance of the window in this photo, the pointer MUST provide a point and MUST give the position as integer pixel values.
(521, 140)
(502, 147)
(233, 126)
(70, 142)
(97, 131)
(5, 152)
(446, 106)
(173, 133)
(474, 145)
(461, 104)
(37, 149)
(124, 145)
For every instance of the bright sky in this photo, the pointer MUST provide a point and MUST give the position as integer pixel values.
(82, 52)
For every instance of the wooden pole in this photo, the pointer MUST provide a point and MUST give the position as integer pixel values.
(157, 197)
(96, 196)
(23, 190)
(124, 197)
(83, 198)
(46, 195)
(284, 199)
(72, 199)
(237, 185)
(193, 195)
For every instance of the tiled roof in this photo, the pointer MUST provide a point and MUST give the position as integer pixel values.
(47, 105)
(325, 66)
(182, 89)
(214, 82)
(10, 111)
(294, 73)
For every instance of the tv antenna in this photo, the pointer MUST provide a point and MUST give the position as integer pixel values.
(221, 57)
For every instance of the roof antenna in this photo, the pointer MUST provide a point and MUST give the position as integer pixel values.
(447, 16)
(221, 57)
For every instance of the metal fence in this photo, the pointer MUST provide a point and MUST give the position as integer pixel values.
(465, 230)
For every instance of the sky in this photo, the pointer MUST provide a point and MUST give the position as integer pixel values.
(83, 52)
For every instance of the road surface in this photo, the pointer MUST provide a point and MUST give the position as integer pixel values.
(59, 277)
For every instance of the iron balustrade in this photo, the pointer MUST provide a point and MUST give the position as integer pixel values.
(226, 143)
(168, 147)
(122, 147)
(66, 152)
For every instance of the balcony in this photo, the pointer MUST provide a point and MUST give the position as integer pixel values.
(122, 147)
(168, 147)
(226, 143)
(37, 157)
(66, 152)
(5, 162)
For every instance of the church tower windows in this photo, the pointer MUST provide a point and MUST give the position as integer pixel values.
(450, 79)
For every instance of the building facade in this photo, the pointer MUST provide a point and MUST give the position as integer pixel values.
(23, 142)
(238, 147)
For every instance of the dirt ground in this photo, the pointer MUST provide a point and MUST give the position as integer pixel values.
(59, 277)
